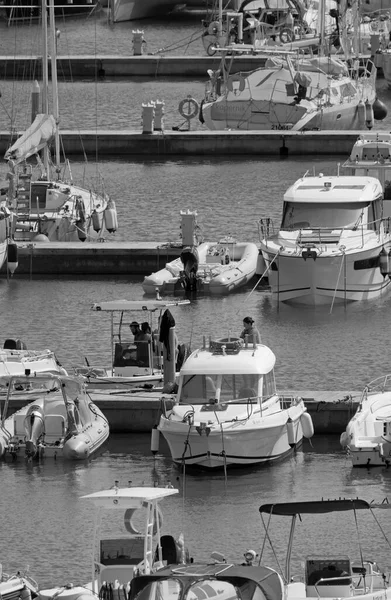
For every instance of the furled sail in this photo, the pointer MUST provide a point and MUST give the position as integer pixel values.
(36, 137)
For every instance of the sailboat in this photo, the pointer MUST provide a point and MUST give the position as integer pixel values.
(50, 206)
(293, 92)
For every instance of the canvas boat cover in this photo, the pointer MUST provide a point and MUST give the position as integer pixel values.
(36, 137)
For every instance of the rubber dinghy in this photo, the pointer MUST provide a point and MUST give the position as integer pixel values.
(57, 418)
(215, 268)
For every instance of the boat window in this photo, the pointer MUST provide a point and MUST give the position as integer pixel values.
(162, 588)
(334, 215)
(210, 588)
(375, 214)
(198, 389)
(269, 385)
(126, 551)
(347, 90)
(38, 196)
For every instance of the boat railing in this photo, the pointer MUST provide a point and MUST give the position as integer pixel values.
(266, 228)
(379, 385)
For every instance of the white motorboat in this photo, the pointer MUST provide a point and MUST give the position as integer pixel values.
(135, 363)
(333, 243)
(228, 411)
(329, 572)
(368, 434)
(47, 203)
(140, 549)
(18, 585)
(16, 359)
(211, 268)
(371, 156)
(54, 418)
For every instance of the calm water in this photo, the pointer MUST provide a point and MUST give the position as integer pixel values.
(44, 524)
(108, 104)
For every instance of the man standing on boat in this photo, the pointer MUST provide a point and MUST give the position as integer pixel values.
(250, 332)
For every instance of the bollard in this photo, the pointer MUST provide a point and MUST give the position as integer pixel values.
(159, 115)
(138, 41)
(148, 117)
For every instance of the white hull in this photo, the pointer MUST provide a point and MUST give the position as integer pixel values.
(235, 442)
(368, 433)
(326, 279)
(214, 275)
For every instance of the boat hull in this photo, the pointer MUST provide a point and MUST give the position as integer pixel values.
(329, 278)
(265, 440)
(130, 10)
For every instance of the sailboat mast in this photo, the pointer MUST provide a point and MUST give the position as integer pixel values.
(45, 76)
(321, 26)
(53, 55)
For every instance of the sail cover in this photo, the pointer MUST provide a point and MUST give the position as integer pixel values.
(36, 137)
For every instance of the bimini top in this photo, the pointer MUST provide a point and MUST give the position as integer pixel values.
(248, 361)
(290, 509)
(343, 189)
(135, 305)
(131, 497)
(238, 575)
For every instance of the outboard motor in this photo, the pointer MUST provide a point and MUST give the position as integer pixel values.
(35, 428)
(190, 260)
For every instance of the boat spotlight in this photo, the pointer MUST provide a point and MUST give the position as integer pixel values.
(250, 556)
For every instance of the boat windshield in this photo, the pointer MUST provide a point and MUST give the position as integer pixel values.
(333, 215)
(200, 389)
(174, 589)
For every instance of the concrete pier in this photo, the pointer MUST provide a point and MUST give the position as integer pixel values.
(111, 143)
(139, 411)
(100, 67)
(93, 258)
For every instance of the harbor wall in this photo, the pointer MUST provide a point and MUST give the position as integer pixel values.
(112, 143)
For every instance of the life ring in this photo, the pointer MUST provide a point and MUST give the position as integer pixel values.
(193, 108)
(237, 78)
(230, 344)
(130, 527)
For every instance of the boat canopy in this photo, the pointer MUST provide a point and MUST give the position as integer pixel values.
(340, 189)
(258, 361)
(132, 497)
(135, 305)
(36, 137)
(318, 507)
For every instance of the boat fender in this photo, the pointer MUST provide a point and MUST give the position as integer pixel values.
(97, 221)
(236, 83)
(344, 439)
(155, 440)
(380, 110)
(111, 221)
(129, 526)
(290, 428)
(384, 262)
(307, 425)
(192, 109)
(369, 116)
(25, 594)
(12, 257)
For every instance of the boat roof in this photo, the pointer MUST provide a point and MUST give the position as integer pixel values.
(317, 507)
(265, 577)
(131, 497)
(336, 189)
(248, 361)
(135, 305)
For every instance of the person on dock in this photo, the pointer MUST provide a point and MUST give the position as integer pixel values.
(250, 332)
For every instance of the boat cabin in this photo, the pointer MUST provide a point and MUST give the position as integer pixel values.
(321, 207)
(371, 157)
(228, 370)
